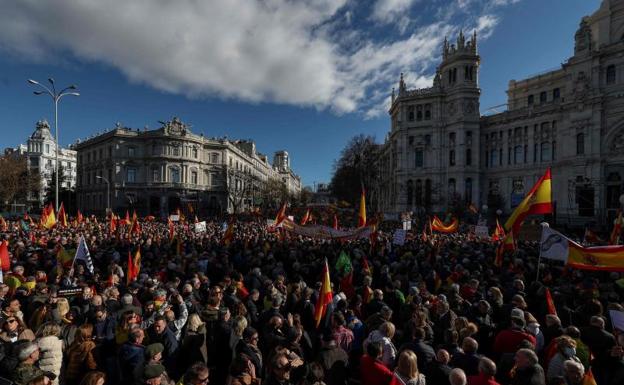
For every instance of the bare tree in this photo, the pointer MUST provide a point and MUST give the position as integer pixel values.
(240, 187)
(16, 182)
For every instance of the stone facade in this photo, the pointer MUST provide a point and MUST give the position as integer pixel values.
(440, 152)
(159, 171)
(40, 154)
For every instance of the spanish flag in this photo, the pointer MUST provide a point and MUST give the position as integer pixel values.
(362, 212)
(134, 266)
(281, 215)
(127, 219)
(537, 201)
(305, 218)
(499, 232)
(5, 261)
(228, 236)
(335, 226)
(617, 230)
(50, 218)
(62, 215)
(112, 227)
(439, 226)
(550, 304)
(508, 244)
(325, 296)
(79, 217)
(171, 229)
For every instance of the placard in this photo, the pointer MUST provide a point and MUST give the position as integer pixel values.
(399, 237)
(481, 231)
(200, 227)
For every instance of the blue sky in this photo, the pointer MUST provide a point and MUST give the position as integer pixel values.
(304, 76)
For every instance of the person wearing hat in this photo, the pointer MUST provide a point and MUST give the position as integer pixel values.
(152, 375)
(28, 355)
(507, 340)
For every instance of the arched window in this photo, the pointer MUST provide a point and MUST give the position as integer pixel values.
(174, 173)
(410, 193)
(468, 157)
(410, 113)
(468, 190)
(427, 111)
(546, 154)
(419, 113)
(428, 193)
(419, 192)
(580, 144)
(611, 74)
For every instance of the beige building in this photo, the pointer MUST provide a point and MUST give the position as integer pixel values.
(440, 152)
(159, 171)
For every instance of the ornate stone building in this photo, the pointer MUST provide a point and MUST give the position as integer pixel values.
(440, 152)
(159, 171)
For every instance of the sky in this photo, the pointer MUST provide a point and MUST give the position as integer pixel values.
(304, 76)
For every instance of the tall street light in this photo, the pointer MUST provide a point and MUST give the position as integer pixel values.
(107, 191)
(56, 97)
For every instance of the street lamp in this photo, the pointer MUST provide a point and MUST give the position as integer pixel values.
(499, 212)
(107, 191)
(56, 97)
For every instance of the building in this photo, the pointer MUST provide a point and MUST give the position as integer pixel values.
(40, 153)
(158, 171)
(440, 152)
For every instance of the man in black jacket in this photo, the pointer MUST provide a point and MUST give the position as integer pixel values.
(334, 361)
(423, 351)
(439, 370)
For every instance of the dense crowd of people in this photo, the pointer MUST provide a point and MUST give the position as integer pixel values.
(435, 310)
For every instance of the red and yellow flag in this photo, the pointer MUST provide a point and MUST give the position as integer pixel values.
(499, 232)
(439, 226)
(134, 266)
(537, 201)
(281, 215)
(335, 225)
(508, 244)
(228, 236)
(3, 224)
(325, 296)
(112, 226)
(362, 212)
(614, 239)
(5, 261)
(171, 229)
(62, 215)
(550, 304)
(605, 258)
(305, 218)
(588, 378)
(50, 218)
(79, 217)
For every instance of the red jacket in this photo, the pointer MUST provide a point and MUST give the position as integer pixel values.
(374, 372)
(482, 379)
(507, 340)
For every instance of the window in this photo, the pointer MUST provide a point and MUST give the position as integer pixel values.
(193, 177)
(556, 94)
(47, 147)
(451, 186)
(580, 144)
(611, 74)
(427, 140)
(487, 158)
(410, 113)
(419, 192)
(419, 113)
(131, 152)
(175, 151)
(500, 157)
(546, 152)
(452, 139)
(175, 174)
(468, 138)
(452, 157)
(428, 193)
(419, 158)
(535, 153)
(194, 152)
(526, 153)
(410, 192)
(530, 100)
(543, 97)
(468, 190)
(101, 154)
(155, 174)
(518, 154)
(508, 155)
(215, 158)
(154, 149)
(131, 174)
(493, 157)
(427, 111)
(554, 150)
(213, 179)
(585, 200)
(410, 140)
(468, 157)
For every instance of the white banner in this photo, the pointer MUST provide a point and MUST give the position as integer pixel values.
(554, 245)
(174, 217)
(200, 227)
(481, 231)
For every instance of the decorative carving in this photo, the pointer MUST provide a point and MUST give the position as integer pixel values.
(617, 145)
(452, 109)
(175, 127)
(43, 124)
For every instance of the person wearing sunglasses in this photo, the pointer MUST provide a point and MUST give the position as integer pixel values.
(197, 374)
(14, 329)
(280, 370)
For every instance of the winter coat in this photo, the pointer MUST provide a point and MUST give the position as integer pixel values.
(389, 350)
(51, 355)
(25, 334)
(80, 360)
(130, 356)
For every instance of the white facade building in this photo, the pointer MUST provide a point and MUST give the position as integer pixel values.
(40, 152)
(441, 152)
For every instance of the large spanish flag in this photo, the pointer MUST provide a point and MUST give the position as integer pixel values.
(439, 226)
(606, 258)
(50, 218)
(325, 296)
(134, 266)
(508, 244)
(62, 215)
(362, 212)
(499, 232)
(305, 218)
(537, 201)
(281, 215)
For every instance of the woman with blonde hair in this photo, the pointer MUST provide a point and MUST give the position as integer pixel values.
(80, 358)
(566, 351)
(384, 334)
(193, 347)
(50, 349)
(94, 378)
(406, 372)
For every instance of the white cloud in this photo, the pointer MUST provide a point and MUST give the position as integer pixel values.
(504, 2)
(387, 11)
(304, 53)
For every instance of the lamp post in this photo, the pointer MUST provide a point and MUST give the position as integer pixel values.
(108, 206)
(56, 97)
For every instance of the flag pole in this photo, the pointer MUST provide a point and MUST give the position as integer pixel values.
(539, 259)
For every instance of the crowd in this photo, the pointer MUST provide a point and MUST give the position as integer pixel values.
(435, 310)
